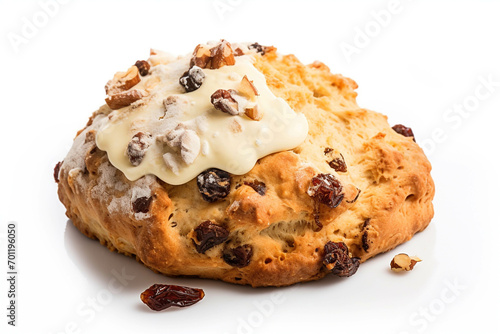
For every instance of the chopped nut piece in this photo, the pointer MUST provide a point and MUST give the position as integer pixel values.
(143, 67)
(235, 126)
(214, 58)
(138, 147)
(93, 159)
(254, 113)
(247, 88)
(173, 137)
(221, 55)
(185, 139)
(173, 106)
(403, 262)
(190, 146)
(356, 197)
(171, 99)
(123, 81)
(124, 99)
(159, 57)
(150, 83)
(192, 79)
(238, 52)
(90, 136)
(201, 57)
(223, 101)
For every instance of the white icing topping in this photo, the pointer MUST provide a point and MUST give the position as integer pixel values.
(191, 135)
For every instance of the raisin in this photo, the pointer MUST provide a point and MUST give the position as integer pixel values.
(56, 171)
(326, 189)
(259, 187)
(162, 296)
(404, 131)
(364, 241)
(192, 79)
(258, 48)
(136, 149)
(143, 67)
(223, 101)
(337, 260)
(209, 235)
(142, 204)
(338, 164)
(214, 184)
(239, 256)
(328, 150)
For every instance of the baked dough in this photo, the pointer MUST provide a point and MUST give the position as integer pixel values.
(387, 192)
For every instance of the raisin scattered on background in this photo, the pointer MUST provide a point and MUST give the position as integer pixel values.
(161, 296)
(56, 171)
(337, 260)
(223, 101)
(143, 67)
(326, 189)
(259, 187)
(136, 149)
(208, 235)
(239, 256)
(142, 204)
(192, 79)
(214, 184)
(404, 131)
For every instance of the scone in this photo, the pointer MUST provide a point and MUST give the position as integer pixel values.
(240, 164)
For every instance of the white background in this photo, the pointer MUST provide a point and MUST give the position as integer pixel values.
(419, 65)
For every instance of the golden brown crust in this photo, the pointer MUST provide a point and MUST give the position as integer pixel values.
(390, 170)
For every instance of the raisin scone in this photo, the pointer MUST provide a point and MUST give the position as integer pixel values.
(240, 164)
